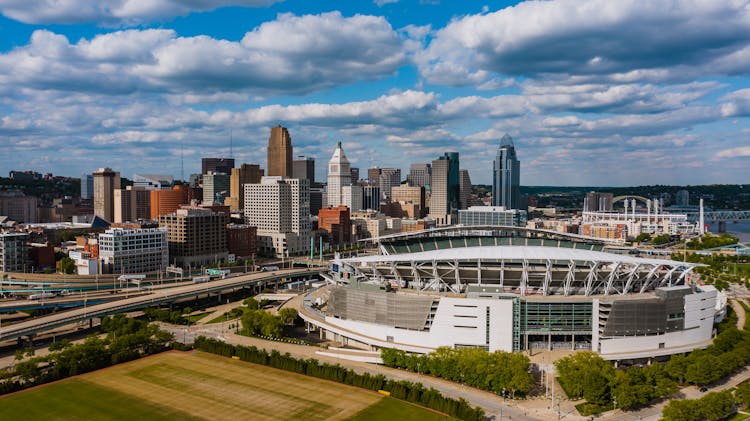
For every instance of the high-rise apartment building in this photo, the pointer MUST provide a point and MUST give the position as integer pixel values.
(598, 202)
(87, 186)
(131, 204)
(126, 251)
(420, 175)
(389, 178)
(506, 181)
(13, 252)
(304, 169)
(223, 165)
(215, 188)
(196, 236)
(464, 182)
(245, 174)
(105, 183)
(280, 208)
(279, 152)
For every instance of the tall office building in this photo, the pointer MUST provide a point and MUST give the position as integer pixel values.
(371, 197)
(223, 165)
(355, 174)
(131, 204)
(464, 182)
(87, 186)
(445, 197)
(340, 190)
(373, 175)
(304, 169)
(279, 153)
(167, 201)
(215, 188)
(280, 208)
(389, 178)
(196, 236)
(124, 250)
(105, 183)
(245, 174)
(506, 179)
(339, 175)
(419, 175)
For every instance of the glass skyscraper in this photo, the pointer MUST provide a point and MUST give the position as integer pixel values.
(506, 176)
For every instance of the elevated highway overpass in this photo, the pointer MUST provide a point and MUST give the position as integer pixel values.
(157, 297)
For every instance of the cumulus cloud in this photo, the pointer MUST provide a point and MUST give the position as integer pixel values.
(112, 12)
(289, 55)
(624, 41)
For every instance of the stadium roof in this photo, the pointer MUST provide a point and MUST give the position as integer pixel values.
(517, 253)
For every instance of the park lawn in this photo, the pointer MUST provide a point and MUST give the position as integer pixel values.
(195, 317)
(393, 409)
(197, 385)
(78, 399)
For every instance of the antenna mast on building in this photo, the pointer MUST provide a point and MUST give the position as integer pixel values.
(182, 160)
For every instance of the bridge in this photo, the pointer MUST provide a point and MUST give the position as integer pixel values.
(162, 296)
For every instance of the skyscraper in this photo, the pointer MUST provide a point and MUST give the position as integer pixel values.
(446, 191)
(223, 165)
(340, 190)
(420, 175)
(87, 186)
(506, 179)
(389, 178)
(245, 174)
(105, 183)
(131, 204)
(304, 169)
(215, 188)
(464, 182)
(279, 153)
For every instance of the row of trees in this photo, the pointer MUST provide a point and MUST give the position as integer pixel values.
(127, 339)
(586, 375)
(710, 241)
(714, 406)
(499, 372)
(411, 392)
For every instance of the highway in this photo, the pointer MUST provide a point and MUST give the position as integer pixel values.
(157, 297)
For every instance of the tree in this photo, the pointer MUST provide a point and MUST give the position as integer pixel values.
(287, 315)
(742, 394)
(251, 303)
(644, 236)
(67, 265)
(681, 410)
(716, 406)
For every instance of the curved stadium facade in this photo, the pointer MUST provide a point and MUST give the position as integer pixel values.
(515, 289)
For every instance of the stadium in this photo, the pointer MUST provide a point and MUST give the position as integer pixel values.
(513, 289)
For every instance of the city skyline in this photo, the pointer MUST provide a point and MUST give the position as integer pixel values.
(134, 89)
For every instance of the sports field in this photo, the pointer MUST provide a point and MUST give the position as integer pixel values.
(198, 385)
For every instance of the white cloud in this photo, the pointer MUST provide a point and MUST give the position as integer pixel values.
(290, 55)
(624, 41)
(738, 152)
(112, 12)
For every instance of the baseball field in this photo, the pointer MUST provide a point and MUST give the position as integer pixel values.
(196, 385)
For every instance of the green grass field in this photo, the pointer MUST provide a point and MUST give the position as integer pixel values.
(197, 385)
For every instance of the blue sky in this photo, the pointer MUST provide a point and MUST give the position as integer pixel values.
(593, 92)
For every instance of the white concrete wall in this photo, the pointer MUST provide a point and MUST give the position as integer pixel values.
(457, 321)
